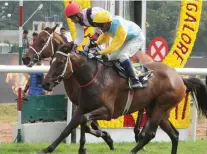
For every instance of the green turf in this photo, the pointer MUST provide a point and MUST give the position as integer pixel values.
(198, 147)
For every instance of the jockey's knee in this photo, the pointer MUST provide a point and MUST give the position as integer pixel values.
(123, 57)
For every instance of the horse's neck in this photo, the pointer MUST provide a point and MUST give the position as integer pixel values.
(93, 70)
(86, 71)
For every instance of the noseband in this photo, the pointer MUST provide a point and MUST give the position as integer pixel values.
(45, 46)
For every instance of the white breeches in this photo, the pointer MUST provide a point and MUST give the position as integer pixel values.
(128, 49)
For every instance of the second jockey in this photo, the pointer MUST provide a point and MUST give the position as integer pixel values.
(84, 17)
(127, 39)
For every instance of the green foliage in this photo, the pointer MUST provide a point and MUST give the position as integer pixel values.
(200, 46)
(15, 48)
(162, 18)
(49, 8)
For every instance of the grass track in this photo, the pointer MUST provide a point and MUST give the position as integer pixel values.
(198, 147)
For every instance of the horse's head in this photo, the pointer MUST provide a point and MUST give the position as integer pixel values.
(42, 47)
(61, 66)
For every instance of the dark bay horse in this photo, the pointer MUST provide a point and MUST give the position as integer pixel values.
(44, 47)
(104, 99)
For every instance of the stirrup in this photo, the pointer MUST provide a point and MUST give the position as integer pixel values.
(136, 84)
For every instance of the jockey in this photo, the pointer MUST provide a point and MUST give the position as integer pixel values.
(83, 17)
(127, 40)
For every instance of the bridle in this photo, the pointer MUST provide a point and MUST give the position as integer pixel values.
(68, 60)
(45, 46)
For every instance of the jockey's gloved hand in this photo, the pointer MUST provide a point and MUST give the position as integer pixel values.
(93, 45)
(97, 53)
(91, 55)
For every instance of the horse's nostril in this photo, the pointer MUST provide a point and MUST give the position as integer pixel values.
(46, 86)
(26, 60)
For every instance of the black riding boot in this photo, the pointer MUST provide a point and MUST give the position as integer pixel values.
(132, 74)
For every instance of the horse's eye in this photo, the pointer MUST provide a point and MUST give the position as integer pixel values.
(65, 49)
(62, 61)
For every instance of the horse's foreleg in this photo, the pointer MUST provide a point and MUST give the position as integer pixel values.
(98, 114)
(75, 121)
(167, 126)
(82, 150)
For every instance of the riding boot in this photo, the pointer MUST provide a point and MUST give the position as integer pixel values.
(132, 74)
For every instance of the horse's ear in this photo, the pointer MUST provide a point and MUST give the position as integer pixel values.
(47, 28)
(53, 29)
(74, 46)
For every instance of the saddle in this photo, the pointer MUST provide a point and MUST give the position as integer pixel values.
(143, 73)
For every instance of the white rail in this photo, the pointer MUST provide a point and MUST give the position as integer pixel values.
(23, 69)
(44, 69)
(192, 71)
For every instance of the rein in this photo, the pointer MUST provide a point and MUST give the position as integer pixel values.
(90, 82)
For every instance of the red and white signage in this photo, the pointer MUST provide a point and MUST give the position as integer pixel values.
(158, 49)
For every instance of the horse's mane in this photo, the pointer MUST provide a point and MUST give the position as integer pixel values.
(58, 36)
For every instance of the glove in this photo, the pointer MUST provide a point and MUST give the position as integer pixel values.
(90, 55)
(92, 45)
(89, 46)
(97, 53)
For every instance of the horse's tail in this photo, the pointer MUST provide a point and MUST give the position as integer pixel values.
(197, 87)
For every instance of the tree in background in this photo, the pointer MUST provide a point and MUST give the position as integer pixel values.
(162, 18)
(50, 8)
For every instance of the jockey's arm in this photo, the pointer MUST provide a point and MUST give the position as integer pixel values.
(103, 39)
(96, 34)
(117, 42)
(87, 33)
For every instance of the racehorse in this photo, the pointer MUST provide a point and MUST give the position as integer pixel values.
(104, 93)
(45, 46)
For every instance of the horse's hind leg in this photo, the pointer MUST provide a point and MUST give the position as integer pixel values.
(105, 135)
(137, 125)
(167, 126)
(149, 130)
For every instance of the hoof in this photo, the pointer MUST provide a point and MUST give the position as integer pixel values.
(41, 152)
(107, 138)
(82, 151)
(137, 137)
(112, 147)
